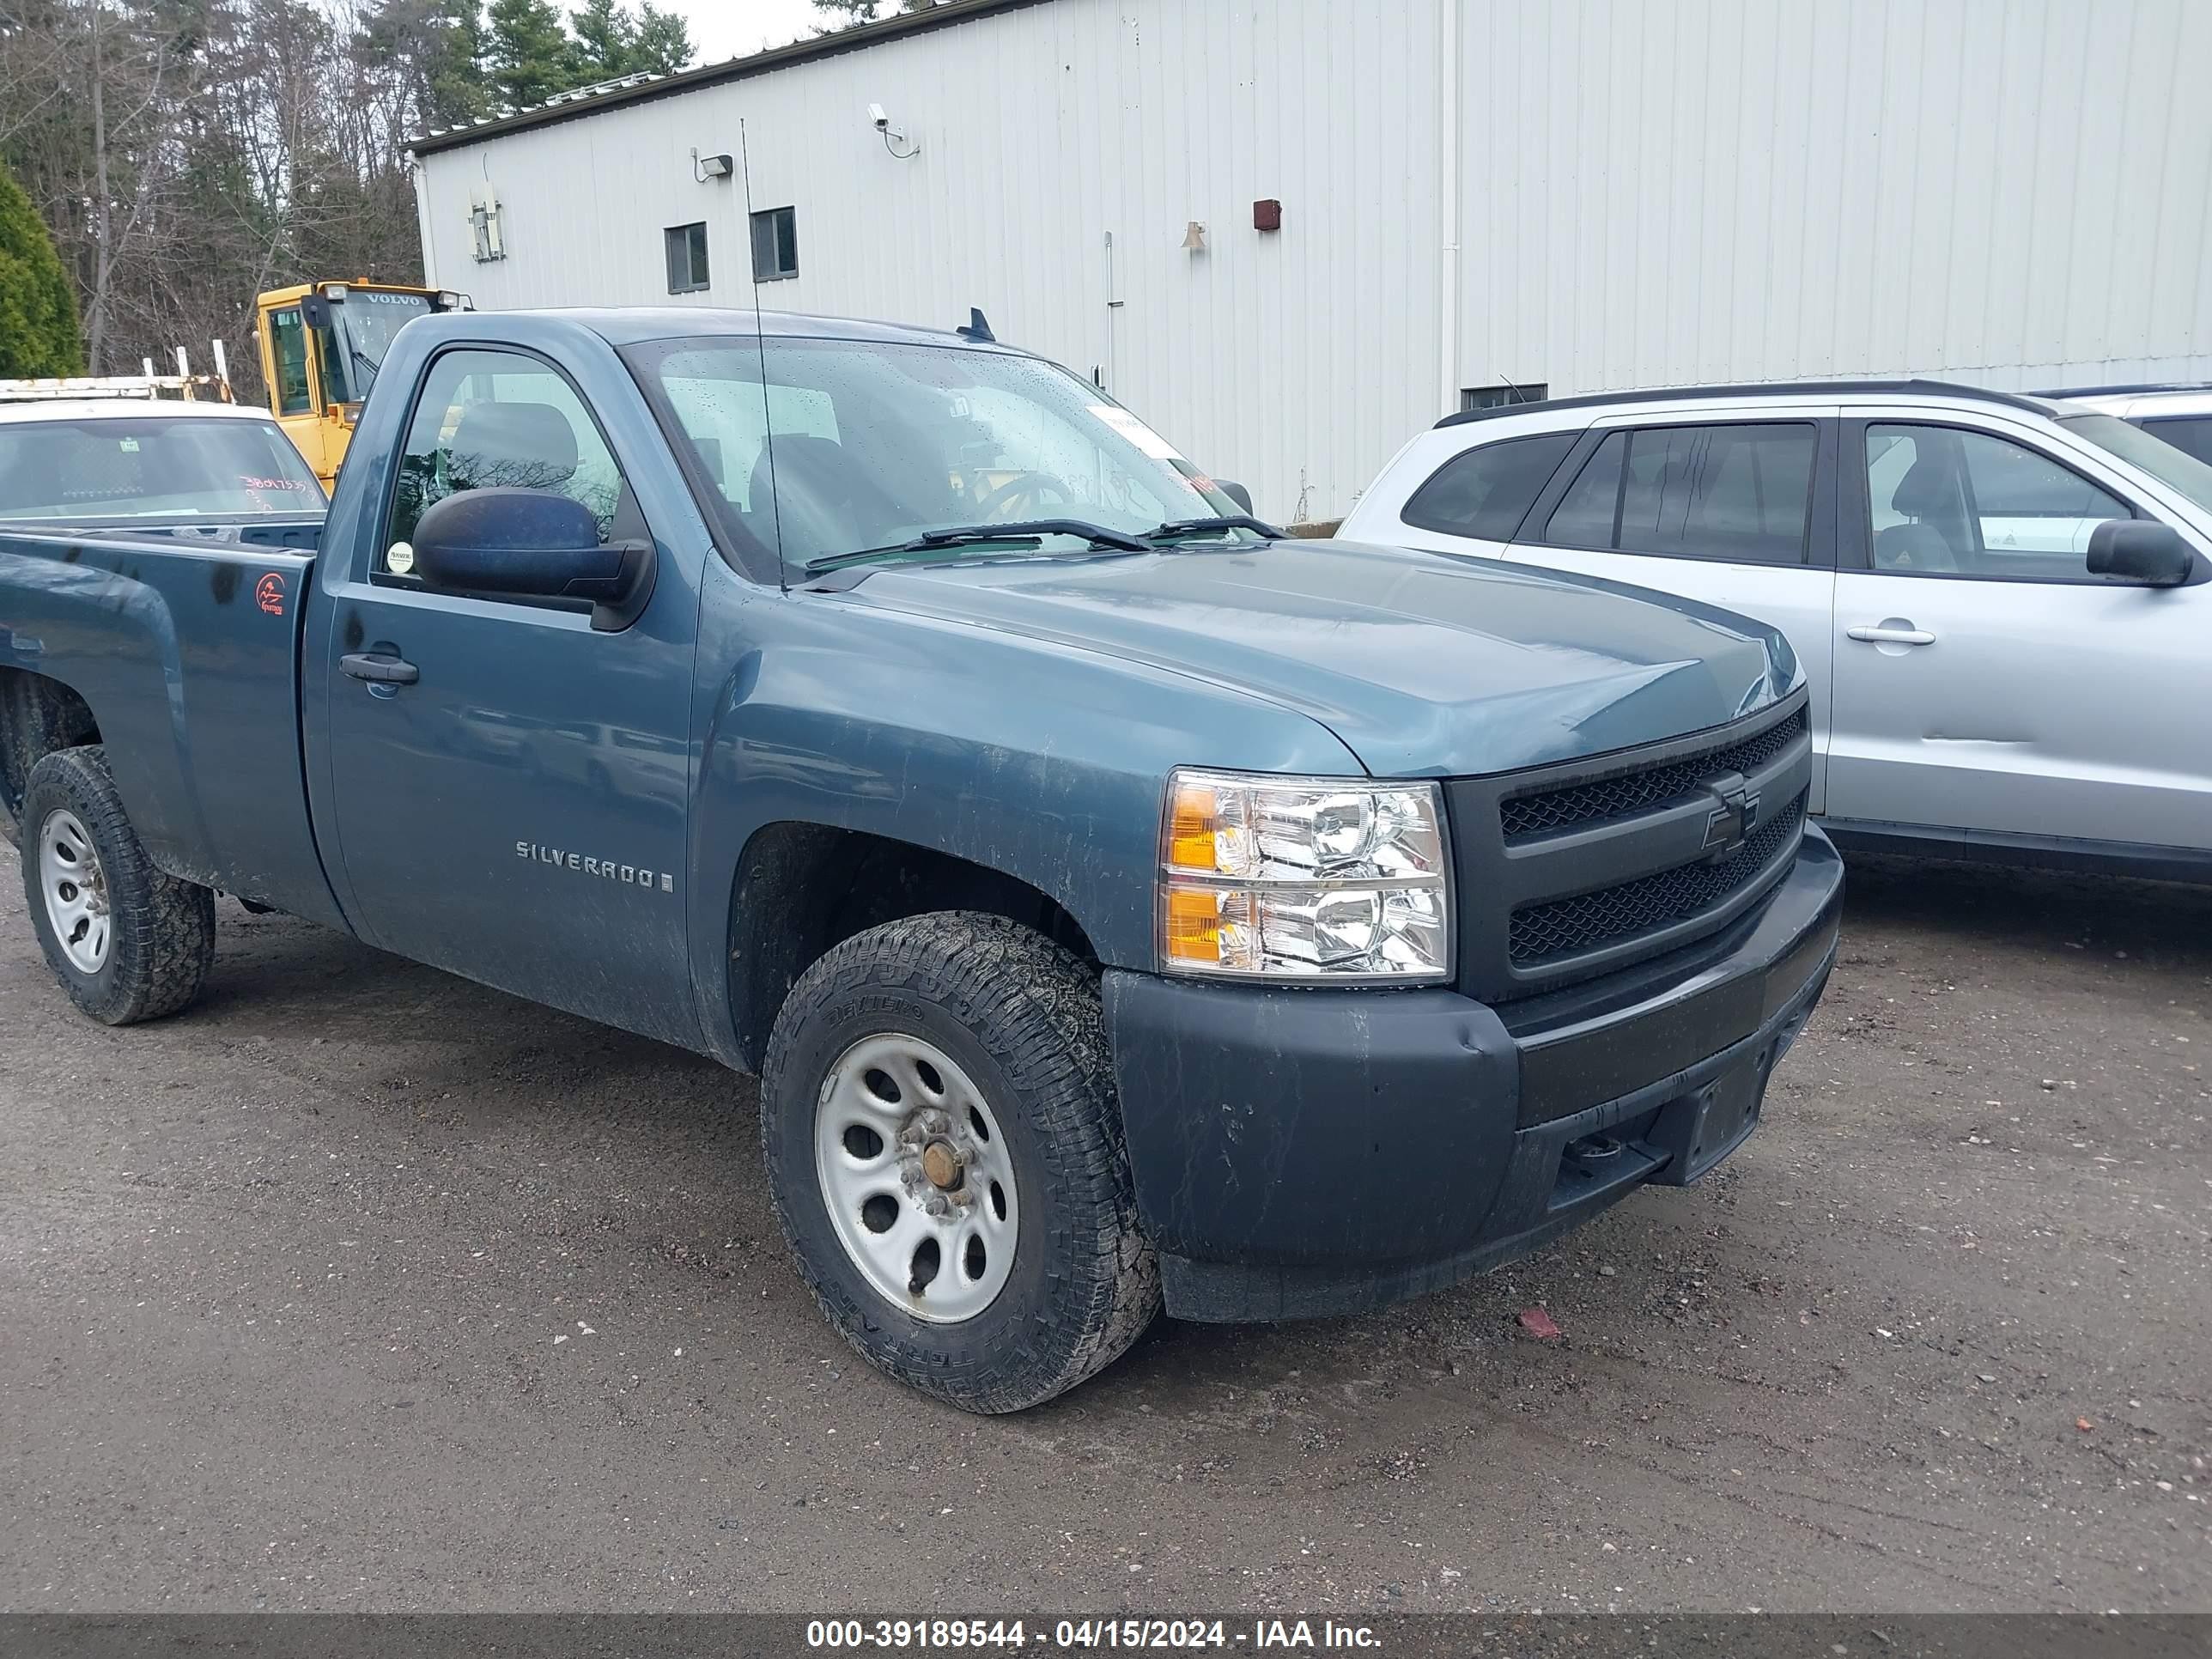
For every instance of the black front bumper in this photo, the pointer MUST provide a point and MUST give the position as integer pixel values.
(1312, 1153)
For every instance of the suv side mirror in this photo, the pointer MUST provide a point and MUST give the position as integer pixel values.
(1235, 491)
(527, 543)
(2141, 550)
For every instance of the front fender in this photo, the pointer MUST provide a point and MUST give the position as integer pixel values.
(1042, 761)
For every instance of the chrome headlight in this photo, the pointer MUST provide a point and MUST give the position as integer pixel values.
(1319, 879)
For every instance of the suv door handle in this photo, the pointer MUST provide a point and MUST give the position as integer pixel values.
(380, 670)
(1874, 635)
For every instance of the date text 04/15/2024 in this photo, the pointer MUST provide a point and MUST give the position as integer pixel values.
(1079, 1634)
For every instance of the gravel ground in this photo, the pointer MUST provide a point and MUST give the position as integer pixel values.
(362, 1287)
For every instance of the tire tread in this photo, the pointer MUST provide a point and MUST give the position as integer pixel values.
(1035, 1006)
(163, 926)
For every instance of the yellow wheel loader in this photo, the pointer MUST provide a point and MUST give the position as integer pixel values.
(321, 343)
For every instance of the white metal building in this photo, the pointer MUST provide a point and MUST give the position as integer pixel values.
(1582, 194)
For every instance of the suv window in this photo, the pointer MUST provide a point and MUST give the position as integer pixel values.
(1488, 491)
(2189, 433)
(487, 418)
(1737, 493)
(1942, 501)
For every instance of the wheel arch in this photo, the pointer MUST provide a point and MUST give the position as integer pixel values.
(39, 714)
(801, 889)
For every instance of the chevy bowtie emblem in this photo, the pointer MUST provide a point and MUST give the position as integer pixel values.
(1735, 814)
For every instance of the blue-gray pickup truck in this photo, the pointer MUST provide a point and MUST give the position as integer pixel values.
(1120, 902)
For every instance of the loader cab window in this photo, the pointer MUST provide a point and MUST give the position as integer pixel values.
(497, 419)
(331, 357)
(287, 348)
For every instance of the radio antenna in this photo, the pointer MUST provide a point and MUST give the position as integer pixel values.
(760, 344)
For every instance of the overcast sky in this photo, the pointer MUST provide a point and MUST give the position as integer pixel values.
(738, 29)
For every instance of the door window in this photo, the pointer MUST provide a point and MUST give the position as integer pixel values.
(1488, 491)
(1945, 501)
(1739, 494)
(287, 345)
(496, 418)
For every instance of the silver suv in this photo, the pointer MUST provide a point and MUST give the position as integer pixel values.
(2004, 603)
(2182, 414)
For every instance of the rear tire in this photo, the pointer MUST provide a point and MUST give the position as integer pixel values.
(128, 942)
(1031, 1274)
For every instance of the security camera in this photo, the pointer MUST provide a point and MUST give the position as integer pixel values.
(881, 122)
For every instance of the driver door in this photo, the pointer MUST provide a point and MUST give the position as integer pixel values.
(512, 805)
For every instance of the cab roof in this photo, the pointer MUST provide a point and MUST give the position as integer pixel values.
(637, 325)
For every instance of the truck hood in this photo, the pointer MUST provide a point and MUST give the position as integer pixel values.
(1421, 665)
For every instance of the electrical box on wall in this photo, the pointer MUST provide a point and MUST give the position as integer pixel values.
(487, 242)
(1267, 214)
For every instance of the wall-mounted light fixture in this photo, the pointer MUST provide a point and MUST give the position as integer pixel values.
(704, 167)
(1193, 238)
(893, 136)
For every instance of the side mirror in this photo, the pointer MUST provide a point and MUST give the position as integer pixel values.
(528, 544)
(1235, 492)
(2141, 550)
(315, 311)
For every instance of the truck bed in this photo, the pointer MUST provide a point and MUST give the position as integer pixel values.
(184, 641)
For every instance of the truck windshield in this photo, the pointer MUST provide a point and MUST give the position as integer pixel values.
(151, 466)
(362, 326)
(2177, 469)
(850, 444)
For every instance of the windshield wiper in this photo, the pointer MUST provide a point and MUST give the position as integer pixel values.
(1180, 529)
(1021, 530)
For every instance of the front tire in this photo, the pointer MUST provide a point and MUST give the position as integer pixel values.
(128, 942)
(945, 1153)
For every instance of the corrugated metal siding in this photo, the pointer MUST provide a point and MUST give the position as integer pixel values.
(1999, 191)
(1278, 359)
(1651, 192)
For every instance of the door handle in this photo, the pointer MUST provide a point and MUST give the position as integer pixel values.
(380, 670)
(1873, 635)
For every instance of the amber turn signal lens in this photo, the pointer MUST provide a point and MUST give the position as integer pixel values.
(1191, 826)
(1193, 927)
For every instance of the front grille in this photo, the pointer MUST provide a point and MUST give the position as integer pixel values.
(1579, 804)
(1568, 926)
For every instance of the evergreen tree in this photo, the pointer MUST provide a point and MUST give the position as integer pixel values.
(603, 37)
(434, 53)
(531, 57)
(611, 42)
(848, 12)
(38, 311)
(662, 44)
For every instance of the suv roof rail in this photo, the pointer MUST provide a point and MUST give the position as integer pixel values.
(2035, 401)
(2120, 390)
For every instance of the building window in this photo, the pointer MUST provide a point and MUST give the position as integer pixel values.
(687, 258)
(775, 243)
(1498, 396)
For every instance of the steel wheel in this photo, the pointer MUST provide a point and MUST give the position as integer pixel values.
(76, 890)
(916, 1178)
